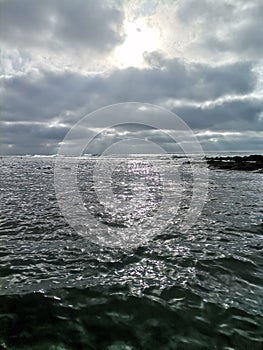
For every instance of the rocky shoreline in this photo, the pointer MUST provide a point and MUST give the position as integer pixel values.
(246, 163)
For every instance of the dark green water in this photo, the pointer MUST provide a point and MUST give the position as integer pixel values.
(200, 290)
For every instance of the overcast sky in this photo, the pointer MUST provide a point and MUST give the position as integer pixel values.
(201, 59)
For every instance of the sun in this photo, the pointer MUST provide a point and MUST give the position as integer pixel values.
(140, 37)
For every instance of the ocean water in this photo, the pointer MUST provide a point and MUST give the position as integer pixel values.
(62, 289)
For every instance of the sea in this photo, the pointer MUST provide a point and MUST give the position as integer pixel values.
(141, 265)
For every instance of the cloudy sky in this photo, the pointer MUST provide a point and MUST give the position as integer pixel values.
(62, 59)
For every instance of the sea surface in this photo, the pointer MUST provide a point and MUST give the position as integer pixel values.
(61, 288)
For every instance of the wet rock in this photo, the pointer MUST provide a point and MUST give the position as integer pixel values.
(247, 163)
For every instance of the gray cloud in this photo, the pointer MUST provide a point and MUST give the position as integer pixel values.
(61, 25)
(40, 104)
(30, 138)
(225, 26)
(177, 79)
(45, 96)
(230, 115)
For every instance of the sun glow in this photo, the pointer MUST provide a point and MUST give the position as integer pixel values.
(140, 38)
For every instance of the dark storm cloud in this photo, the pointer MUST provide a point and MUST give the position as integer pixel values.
(60, 25)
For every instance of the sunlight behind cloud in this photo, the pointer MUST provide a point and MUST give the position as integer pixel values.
(140, 38)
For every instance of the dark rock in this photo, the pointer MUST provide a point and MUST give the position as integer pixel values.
(246, 163)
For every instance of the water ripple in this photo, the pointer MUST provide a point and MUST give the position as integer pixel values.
(177, 291)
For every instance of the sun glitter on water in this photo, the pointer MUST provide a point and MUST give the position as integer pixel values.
(140, 38)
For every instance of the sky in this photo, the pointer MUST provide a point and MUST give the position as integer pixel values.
(61, 60)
